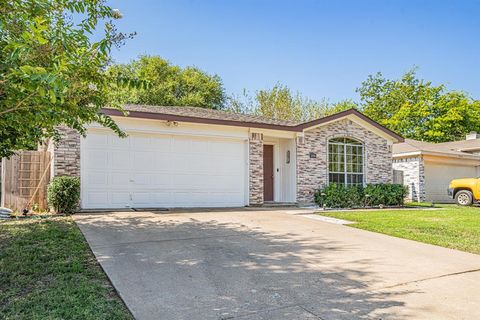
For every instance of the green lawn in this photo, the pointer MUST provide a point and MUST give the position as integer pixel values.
(452, 226)
(47, 271)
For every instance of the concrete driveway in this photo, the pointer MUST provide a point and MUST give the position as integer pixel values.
(276, 264)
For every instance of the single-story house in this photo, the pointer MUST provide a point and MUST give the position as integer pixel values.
(194, 157)
(428, 168)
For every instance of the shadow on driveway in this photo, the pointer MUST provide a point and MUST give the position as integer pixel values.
(196, 267)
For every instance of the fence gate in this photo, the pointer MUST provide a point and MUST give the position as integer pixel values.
(24, 180)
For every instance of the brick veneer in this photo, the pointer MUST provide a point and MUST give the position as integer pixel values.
(66, 152)
(255, 155)
(413, 176)
(312, 173)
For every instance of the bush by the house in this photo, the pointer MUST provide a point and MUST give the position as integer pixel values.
(385, 194)
(64, 194)
(341, 196)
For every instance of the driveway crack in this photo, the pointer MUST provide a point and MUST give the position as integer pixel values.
(431, 278)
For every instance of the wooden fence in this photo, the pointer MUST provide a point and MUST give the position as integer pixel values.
(25, 176)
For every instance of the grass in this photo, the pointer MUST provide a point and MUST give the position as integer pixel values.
(451, 226)
(47, 271)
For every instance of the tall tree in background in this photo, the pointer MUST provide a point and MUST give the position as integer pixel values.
(280, 102)
(417, 109)
(51, 73)
(169, 85)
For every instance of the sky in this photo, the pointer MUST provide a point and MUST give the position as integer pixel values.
(322, 49)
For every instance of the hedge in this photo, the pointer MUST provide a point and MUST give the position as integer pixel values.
(341, 196)
(64, 194)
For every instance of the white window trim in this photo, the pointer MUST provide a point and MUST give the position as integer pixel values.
(345, 173)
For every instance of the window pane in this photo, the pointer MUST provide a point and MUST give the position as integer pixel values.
(337, 178)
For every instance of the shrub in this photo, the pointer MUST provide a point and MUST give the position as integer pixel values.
(341, 196)
(64, 194)
(385, 194)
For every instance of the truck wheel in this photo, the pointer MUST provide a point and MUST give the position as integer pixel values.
(464, 198)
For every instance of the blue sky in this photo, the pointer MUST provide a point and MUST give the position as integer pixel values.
(320, 48)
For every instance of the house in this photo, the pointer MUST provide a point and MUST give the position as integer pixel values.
(194, 157)
(428, 168)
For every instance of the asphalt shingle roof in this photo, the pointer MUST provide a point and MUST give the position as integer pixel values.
(208, 114)
(452, 148)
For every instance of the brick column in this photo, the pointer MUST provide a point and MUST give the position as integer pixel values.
(66, 152)
(255, 151)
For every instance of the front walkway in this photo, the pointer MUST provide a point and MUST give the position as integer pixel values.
(267, 264)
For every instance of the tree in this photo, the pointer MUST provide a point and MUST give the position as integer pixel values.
(51, 72)
(169, 85)
(280, 102)
(417, 109)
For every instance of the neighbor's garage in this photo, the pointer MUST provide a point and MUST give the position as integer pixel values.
(162, 170)
(438, 177)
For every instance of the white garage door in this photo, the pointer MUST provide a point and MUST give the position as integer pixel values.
(438, 177)
(148, 171)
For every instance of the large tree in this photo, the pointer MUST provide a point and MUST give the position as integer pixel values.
(51, 72)
(417, 109)
(169, 85)
(280, 102)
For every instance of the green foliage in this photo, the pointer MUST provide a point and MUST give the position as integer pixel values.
(51, 72)
(340, 196)
(451, 226)
(64, 194)
(169, 85)
(280, 102)
(418, 110)
(49, 272)
(385, 194)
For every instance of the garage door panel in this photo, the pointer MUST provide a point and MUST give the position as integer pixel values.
(162, 179)
(97, 178)
(141, 198)
(144, 161)
(99, 157)
(97, 141)
(140, 143)
(119, 179)
(161, 144)
(162, 171)
(119, 159)
(97, 198)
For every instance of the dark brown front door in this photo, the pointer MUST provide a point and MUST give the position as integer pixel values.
(267, 172)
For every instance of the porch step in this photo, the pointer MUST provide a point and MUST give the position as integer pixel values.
(269, 204)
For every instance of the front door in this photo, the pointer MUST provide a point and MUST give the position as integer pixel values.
(267, 172)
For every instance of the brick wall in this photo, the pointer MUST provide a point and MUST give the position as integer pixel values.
(312, 173)
(66, 153)
(255, 151)
(413, 176)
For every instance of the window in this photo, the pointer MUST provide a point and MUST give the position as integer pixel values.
(345, 161)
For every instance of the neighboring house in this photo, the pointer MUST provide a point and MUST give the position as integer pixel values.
(428, 167)
(194, 157)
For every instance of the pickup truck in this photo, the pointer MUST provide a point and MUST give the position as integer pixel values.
(465, 191)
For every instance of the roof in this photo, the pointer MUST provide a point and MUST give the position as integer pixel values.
(220, 117)
(461, 145)
(410, 146)
(205, 113)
